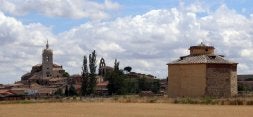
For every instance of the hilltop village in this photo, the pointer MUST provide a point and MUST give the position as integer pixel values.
(49, 79)
(201, 73)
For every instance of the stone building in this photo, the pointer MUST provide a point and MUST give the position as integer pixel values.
(47, 62)
(202, 73)
(103, 69)
(46, 73)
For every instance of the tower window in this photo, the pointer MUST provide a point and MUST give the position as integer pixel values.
(47, 58)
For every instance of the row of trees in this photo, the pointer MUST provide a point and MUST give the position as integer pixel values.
(121, 84)
(89, 79)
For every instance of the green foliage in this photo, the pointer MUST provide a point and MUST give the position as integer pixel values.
(85, 78)
(116, 83)
(242, 87)
(155, 87)
(66, 91)
(120, 84)
(132, 86)
(59, 92)
(65, 74)
(92, 78)
(128, 69)
(249, 79)
(72, 91)
(145, 84)
(116, 65)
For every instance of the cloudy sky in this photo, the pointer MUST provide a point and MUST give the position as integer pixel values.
(143, 34)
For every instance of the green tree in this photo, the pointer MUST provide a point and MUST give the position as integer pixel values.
(128, 69)
(155, 87)
(72, 91)
(58, 92)
(65, 74)
(92, 79)
(131, 85)
(243, 88)
(116, 65)
(85, 78)
(66, 91)
(117, 81)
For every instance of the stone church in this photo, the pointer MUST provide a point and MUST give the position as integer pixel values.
(202, 73)
(46, 73)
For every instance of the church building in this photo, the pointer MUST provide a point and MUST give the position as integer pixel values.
(46, 73)
(202, 73)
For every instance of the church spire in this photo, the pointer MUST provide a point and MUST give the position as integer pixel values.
(47, 46)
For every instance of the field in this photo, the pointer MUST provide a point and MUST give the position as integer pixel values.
(109, 109)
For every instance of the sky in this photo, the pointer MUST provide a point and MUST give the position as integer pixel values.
(143, 34)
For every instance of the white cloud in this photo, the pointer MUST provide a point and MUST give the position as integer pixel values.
(75, 9)
(155, 38)
(20, 46)
(147, 42)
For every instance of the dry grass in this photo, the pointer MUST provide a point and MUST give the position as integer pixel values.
(107, 109)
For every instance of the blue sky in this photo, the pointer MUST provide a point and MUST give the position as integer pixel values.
(144, 34)
(134, 7)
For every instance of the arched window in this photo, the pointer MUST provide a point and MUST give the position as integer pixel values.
(47, 58)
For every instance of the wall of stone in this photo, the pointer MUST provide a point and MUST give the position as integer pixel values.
(220, 80)
(234, 90)
(186, 80)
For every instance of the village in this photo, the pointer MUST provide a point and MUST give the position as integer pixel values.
(51, 80)
(201, 73)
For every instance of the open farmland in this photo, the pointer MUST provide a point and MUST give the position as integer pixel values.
(78, 109)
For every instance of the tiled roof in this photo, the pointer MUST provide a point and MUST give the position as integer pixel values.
(215, 59)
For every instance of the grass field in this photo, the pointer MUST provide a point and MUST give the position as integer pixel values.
(79, 109)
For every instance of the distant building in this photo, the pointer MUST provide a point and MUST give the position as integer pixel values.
(103, 69)
(46, 73)
(202, 73)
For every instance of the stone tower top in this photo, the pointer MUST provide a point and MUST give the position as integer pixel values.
(201, 49)
(47, 49)
(47, 46)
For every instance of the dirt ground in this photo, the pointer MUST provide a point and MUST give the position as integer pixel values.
(122, 110)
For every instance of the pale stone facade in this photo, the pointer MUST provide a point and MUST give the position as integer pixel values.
(202, 73)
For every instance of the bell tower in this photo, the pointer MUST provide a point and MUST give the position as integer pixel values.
(47, 62)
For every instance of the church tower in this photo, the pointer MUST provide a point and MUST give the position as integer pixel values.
(47, 62)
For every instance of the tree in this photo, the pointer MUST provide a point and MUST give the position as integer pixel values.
(131, 85)
(155, 87)
(66, 91)
(116, 65)
(92, 79)
(85, 78)
(128, 69)
(117, 83)
(58, 92)
(65, 74)
(72, 91)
